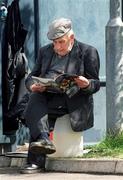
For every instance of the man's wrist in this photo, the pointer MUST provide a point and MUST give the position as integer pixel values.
(88, 86)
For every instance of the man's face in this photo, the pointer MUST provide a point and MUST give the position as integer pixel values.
(63, 45)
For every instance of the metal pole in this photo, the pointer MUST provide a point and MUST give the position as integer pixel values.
(36, 26)
(114, 68)
(122, 10)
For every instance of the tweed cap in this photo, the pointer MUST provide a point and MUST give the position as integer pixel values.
(59, 28)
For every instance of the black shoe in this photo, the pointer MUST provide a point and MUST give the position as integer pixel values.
(43, 146)
(31, 169)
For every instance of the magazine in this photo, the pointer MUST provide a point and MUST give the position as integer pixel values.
(63, 83)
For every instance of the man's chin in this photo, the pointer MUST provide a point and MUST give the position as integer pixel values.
(62, 54)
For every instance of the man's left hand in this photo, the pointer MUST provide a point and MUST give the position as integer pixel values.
(82, 82)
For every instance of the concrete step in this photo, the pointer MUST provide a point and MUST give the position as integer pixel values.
(79, 165)
(5, 161)
(13, 159)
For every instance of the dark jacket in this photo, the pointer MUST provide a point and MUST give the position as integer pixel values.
(83, 60)
(13, 63)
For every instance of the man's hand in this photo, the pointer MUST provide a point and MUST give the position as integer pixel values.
(38, 87)
(82, 82)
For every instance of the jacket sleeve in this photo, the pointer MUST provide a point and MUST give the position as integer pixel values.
(36, 71)
(91, 70)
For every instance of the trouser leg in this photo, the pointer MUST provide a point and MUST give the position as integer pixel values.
(36, 115)
(38, 159)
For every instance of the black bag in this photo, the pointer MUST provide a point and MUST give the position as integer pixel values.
(20, 65)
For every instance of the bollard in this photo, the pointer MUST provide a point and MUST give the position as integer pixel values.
(67, 142)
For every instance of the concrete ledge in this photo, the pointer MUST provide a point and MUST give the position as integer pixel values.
(82, 165)
(5, 161)
(119, 167)
(17, 162)
(79, 165)
(9, 170)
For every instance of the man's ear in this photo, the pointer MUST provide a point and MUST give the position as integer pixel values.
(72, 36)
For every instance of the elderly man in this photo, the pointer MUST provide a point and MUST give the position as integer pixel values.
(64, 55)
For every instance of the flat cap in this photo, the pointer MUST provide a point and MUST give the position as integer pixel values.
(59, 28)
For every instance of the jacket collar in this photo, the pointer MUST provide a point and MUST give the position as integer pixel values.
(72, 65)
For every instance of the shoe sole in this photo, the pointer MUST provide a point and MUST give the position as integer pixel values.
(41, 149)
(30, 171)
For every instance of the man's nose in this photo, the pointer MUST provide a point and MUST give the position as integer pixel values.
(57, 46)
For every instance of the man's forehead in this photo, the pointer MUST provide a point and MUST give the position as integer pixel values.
(63, 38)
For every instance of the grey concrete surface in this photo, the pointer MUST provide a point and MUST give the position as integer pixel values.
(13, 174)
(107, 166)
(68, 165)
(81, 165)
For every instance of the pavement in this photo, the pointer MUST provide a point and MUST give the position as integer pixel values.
(13, 174)
(69, 165)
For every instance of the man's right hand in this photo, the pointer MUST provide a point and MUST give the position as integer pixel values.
(38, 87)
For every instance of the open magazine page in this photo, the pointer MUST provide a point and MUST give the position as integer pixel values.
(57, 80)
(64, 83)
(45, 81)
(51, 85)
